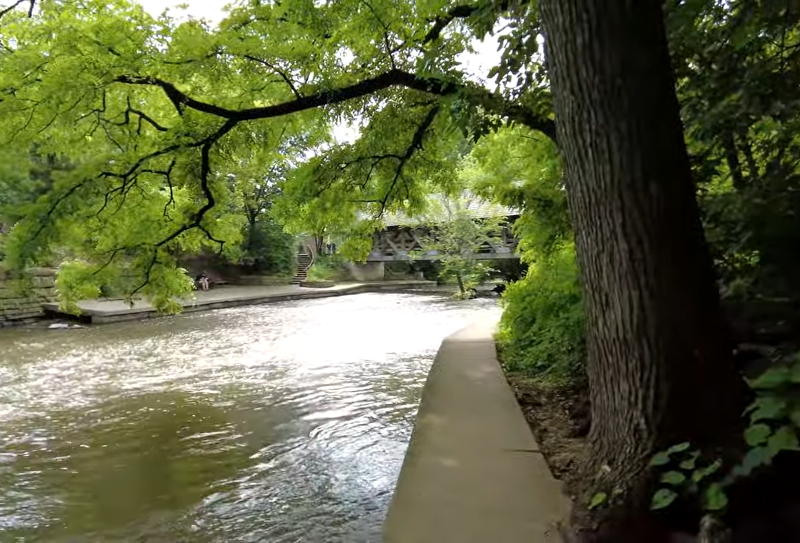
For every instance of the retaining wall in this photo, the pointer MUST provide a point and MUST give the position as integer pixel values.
(21, 303)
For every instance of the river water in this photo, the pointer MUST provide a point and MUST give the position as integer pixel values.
(277, 423)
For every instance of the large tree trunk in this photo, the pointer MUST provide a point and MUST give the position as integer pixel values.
(659, 367)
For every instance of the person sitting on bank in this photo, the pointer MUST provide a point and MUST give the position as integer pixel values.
(202, 281)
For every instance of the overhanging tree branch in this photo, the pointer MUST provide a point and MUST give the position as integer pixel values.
(440, 22)
(459, 12)
(205, 171)
(415, 145)
(32, 4)
(492, 102)
(281, 73)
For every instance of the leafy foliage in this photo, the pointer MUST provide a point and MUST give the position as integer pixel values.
(543, 324)
(737, 70)
(520, 169)
(327, 268)
(455, 239)
(774, 418)
(774, 428)
(268, 249)
(684, 470)
(153, 123)
(265, 246)
(542, 330)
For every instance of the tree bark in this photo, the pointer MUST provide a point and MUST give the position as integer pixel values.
(732, 157)
(460, 281)
(659, 366)
(752, 167)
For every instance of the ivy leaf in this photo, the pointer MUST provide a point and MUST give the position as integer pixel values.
(673, 478)
(755, 457)
(690, 463)
(702, 473)
(715, 497)
(660, 459)
(598, 499)
(662, 498)
(772, 378)
(767, 407)
(785, 439)
(757, 434)
(680, 447)
(795, 376)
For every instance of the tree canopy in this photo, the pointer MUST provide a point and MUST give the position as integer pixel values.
(150, 117)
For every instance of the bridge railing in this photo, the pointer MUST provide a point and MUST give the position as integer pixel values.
(397, 242)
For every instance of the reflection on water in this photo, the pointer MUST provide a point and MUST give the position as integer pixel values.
(279, 423)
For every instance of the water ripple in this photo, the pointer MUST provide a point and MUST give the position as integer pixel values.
(280, 423)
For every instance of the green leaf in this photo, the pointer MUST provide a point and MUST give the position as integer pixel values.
(715, 497)
(690, 463)
(785, 439)
(772, 378)
(795, 416)
(680, 447)
(757, 434)
(598, 499)
(767, 408)
(795, 375)
(662, 498)
(673, 478)
(702, 473)
(755, 457)
(660, 459)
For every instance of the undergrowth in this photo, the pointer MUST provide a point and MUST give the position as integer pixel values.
(542, 331)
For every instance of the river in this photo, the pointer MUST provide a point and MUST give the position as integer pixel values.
(275, 423)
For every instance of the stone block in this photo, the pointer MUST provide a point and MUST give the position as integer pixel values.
(43, 281)
(42, 272)
(22, 313)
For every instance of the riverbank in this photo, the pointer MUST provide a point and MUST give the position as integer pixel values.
(107, 311)
(19, 306)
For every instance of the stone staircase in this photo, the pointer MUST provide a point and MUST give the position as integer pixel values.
(304, 262)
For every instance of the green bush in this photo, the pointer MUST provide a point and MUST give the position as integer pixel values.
(542, 331)
(773, 429)
(327, 268)
(267, 249)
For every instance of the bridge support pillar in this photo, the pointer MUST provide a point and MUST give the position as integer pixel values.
(368, 271)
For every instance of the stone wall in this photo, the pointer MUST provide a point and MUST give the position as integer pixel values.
(262, 280)
(20, 305)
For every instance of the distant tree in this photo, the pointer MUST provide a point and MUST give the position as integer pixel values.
(455, 236)
(266, 247)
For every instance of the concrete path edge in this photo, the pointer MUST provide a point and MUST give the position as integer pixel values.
(473, 471)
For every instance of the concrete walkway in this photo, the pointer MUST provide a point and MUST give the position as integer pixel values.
(105, 311)
(473, 472)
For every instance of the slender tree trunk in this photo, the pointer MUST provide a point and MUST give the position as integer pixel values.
(752, 167)
(732, 157)
(460, 281)
(659, 367)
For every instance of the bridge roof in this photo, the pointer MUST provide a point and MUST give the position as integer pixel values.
(438, 211)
